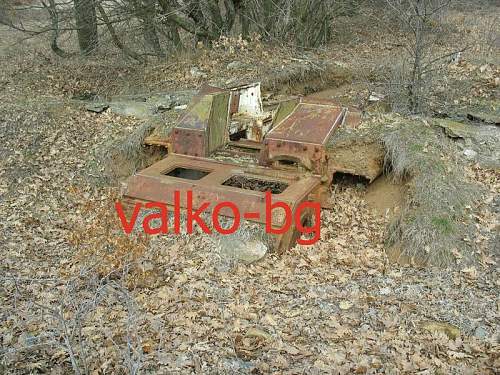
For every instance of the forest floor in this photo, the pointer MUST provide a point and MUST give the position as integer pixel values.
(76, 292)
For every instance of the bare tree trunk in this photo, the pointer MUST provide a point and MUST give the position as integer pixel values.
(415, 86)
(149, 29)
(145, 11)
(241, 8)
(204, 18)
(54, 17)
(421, 21)
(230, 15)
(173, 33)
(170, 24)
(212, 17)
(86, 25)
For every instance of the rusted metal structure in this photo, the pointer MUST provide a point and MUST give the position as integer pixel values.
(285, 147)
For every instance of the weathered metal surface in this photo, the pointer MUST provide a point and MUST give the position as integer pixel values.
(189, 136)
(309, 123)
(352, 118)
(210, 90)
(248, 120)
(278, 154)
(284, 109)
(197, 114)
(218, 121)
(231, 128)
(254, 127)
(246, 144)
(301, 137)
(153, 184)
(249, 100)
(189, 142)
(235, 102)
(202, 129)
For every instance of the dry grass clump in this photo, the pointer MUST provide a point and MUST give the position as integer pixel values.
(431, 226)
(123, 157)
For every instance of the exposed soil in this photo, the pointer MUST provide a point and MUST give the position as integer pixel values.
(350, 95)
(356, 154)
(395, 255)
(384, 196)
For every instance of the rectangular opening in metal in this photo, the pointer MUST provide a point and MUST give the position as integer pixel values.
(256, 184)
(239, 148)
(285, 163)
(240, 134)
(187, 173)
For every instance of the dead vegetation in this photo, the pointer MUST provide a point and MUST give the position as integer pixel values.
(123, 157)
(359, 151)
(431, 226)
(179, 304)
(441, 196)
(307, 77)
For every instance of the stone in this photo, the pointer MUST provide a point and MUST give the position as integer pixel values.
(255, 332)
(484, 110)
(481, 332)
(455, 129)
(234, 65)
(470, 154)
(161, 102)
(345, 305)
(140, 110)
(484, 116)
(129, 98)
(85, 96)
(376, 97)
(97, 107)
(197, 73)
(484, 68)
(242, 250)
(385, 291)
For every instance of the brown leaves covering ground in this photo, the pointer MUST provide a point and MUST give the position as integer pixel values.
(175, 305)
(335, 307)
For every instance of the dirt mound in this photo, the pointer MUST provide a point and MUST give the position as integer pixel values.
(358, 151)
(306, 77)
